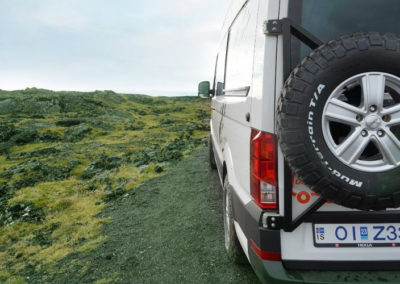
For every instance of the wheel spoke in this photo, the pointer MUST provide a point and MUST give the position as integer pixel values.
(373, 86)
(340, 111)
(389, 146)
(352, 148)
(394, 113)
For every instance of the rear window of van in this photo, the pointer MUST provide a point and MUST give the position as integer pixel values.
(330, 19)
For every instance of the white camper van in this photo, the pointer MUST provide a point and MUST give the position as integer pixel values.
(305, 135)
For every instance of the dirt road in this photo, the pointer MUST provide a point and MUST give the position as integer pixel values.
(169, 230)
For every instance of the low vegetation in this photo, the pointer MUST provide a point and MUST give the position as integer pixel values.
(65, 155)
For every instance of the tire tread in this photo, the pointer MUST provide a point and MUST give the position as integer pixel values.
(289, 120)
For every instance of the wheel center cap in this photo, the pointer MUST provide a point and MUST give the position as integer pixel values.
(373, 122)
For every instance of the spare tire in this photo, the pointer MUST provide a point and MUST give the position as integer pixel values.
(339, 121)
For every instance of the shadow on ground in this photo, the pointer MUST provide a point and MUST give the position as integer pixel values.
(169, 230)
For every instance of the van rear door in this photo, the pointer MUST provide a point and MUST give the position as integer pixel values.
(320, 242)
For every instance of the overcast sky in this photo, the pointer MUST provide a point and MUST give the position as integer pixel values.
(123, 45)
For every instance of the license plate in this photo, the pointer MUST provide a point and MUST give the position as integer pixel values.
(356, 235)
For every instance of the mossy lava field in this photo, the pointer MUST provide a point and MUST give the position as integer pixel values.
(65, 155)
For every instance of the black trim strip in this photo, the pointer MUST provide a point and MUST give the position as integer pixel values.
(334, 217)
(341, 265)
(288, 28)
(249, 218)
(304, 215)
(287, 194)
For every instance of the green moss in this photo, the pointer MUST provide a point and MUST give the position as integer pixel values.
(15, 280)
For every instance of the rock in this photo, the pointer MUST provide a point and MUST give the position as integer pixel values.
(69, 122)
(108, 192)
(143, 168)
(35, 171)
(119, 191)
(100, 124)
(26, 182)
(15, 208)
(159, 169)
(4, 147)
(136, 125)
(43, 236)
(73, 163)
(21, 212)
(102, 164)
(91, 187)
(112, 194)
(170, 152)
(49, 136)
(34, 124)
(76, 133)
(4, 189)
(6, 132)
(166, 121)
(38, 153)
(24, 136)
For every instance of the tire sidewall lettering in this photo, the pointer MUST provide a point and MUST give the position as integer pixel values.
(313, 114)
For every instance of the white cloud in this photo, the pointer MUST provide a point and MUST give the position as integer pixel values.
(59, 17)
(122, 45)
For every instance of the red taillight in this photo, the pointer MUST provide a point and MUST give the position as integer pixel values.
(264, 185)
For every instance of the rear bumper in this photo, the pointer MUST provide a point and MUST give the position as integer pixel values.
(264, 248)
(343, 265)
(275, 272)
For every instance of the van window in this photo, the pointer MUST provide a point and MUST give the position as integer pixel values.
(219, 83)
(330, 19)
(242, 36)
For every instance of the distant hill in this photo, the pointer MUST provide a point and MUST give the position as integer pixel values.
(172, 93)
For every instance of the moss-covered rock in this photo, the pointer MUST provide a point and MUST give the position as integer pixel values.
(34, 171)
(69, 122)
(76, 133)
(104, 163)
(170, 152)
(6, 132)
(24, 136)
(135, 125)
(49, 136)
(21, 212)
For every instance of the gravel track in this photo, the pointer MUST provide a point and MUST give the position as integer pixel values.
(168, 230)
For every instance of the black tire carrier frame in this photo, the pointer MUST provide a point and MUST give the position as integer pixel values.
(287, 28)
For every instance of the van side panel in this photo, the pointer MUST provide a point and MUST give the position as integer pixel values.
(236, 158)
(231, 125)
